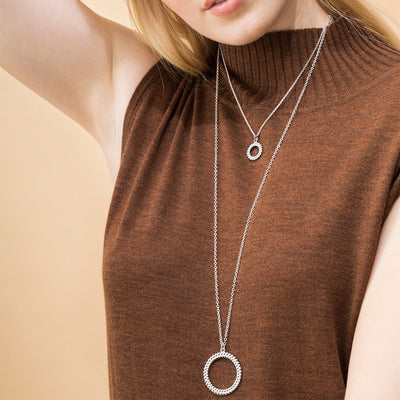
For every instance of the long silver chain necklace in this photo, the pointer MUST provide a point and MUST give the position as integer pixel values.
(222, 353)
(256, 143)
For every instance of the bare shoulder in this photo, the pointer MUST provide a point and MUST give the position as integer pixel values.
(85, 65)
(132, 59)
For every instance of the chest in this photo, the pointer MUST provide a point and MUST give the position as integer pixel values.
(314, 222)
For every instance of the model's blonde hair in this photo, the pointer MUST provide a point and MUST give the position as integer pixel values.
(174, 40)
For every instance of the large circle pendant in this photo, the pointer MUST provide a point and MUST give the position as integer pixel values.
(256, 156)
(222, 354)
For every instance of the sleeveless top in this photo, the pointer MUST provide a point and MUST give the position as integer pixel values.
(312, 238)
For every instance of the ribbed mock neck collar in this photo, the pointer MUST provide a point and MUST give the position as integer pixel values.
(350, 59)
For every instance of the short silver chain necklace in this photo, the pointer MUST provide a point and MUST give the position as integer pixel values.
(222, 353)
(256, 143)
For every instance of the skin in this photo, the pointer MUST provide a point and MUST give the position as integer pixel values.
(88, 66)
(374, 366)
(70, 52)
(251, 20)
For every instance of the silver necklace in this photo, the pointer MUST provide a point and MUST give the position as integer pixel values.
(222, 353)
(256, 143)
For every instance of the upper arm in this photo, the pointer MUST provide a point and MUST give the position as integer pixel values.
(131, 61)
(374, 368)
(70, 56)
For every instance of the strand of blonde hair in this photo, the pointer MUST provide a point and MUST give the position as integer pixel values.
(174, 41)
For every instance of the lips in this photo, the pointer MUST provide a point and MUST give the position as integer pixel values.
(222, 8)
(209, 3)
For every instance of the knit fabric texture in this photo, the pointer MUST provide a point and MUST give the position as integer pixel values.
(312, 238)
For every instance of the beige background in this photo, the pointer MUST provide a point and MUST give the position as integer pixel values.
(56, 189)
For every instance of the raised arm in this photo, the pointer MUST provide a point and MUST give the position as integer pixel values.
(85, 65)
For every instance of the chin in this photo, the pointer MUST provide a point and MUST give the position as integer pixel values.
(240, 41)
(240, 37)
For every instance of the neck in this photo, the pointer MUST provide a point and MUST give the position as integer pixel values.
(262, 71)
(300, 15)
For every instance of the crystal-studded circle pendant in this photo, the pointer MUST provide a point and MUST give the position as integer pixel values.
(255, 157)
(222, 354)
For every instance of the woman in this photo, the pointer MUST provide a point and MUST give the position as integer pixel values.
(266, 130)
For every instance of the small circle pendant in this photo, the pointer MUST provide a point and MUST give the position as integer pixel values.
(222, 354)
(255, 157)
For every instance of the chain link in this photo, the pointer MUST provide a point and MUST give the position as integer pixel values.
(255, 136)
(317, 48)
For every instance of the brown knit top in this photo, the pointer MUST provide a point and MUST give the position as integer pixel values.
(312, 238)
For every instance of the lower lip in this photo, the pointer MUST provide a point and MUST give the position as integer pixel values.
(225, 8)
